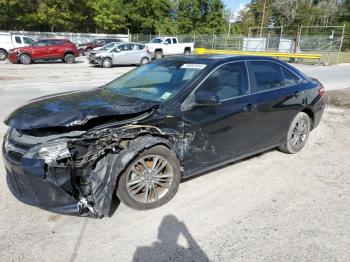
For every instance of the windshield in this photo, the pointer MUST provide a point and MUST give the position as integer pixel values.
(159, 81)
(156, 41)
(108, 46)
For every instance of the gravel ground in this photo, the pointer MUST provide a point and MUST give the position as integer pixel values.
(271, 207)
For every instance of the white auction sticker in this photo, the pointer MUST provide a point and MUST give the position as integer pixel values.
(166, 95)
(193, 66)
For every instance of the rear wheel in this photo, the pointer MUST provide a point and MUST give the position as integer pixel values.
(3, 54)
(144, 60)
(69, 58)
(107, 63)
(297, 135)
(158, 54)
(151, 180)
(25, 59)
(187, 52)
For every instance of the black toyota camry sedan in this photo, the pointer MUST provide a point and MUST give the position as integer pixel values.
(136, 137)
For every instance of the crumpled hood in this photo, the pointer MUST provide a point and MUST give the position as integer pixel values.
(75, 108)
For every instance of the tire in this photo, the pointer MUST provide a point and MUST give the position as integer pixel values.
(297, 135)
(150, 194)
(187, 52)
(158, 54)
(25, 59)
(3, 54)
(144, 60)
(87, 51)
(69, 59)
(107, 63)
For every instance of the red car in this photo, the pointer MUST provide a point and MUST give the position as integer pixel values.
(87, 47)
(45, 49)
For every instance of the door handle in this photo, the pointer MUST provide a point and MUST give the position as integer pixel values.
(249, 107)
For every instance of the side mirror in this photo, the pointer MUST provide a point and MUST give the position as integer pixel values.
(204, 98)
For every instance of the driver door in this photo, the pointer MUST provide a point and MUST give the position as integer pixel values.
(214, 133)
(40, 49)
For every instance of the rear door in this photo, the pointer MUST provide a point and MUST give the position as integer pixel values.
(221, 132)
(278, 99)
(136, 53)
(55, 48)
(121, 56)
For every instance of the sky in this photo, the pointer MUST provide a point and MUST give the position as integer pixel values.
(235, 4)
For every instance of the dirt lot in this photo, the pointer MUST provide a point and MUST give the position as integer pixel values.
(271, 207)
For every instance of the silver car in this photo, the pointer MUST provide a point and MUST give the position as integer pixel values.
(122, 54)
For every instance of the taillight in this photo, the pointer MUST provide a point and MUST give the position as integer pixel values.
(321, 90)
(147, 50)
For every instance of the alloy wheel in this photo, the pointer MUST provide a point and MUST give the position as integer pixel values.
(149, 179)
(300, 133)
(25, 59)
(3, 55)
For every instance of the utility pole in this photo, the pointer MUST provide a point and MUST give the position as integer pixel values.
(262, 18)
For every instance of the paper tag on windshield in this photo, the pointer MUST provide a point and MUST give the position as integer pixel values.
(193, 66)
(166, 95)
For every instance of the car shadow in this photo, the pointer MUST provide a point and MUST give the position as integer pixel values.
(79, 239)
(166, 248)
(40, 62)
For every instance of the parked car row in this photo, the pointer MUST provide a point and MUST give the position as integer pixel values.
(105, 52)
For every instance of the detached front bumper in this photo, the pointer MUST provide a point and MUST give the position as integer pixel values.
(27, 182)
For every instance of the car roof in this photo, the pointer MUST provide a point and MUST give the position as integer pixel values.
(49, 39)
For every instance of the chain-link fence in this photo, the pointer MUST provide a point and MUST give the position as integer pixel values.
(324, 40)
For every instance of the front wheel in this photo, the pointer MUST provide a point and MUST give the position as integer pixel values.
(297, 135)
(107, 63)
(25, 59)
(69, 58)
(151, 180)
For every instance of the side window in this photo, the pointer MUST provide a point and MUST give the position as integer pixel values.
(124, 47)
(42, 43)
(289, 77)
(167, 41)
(18, 40)
(174, 41)
(137, 47)
(100, 42)
(228, 81)
(28, 41)
(269, 75)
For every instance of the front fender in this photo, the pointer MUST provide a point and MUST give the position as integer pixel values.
(107, 171)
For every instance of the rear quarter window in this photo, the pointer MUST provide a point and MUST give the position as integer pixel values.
(270, 75)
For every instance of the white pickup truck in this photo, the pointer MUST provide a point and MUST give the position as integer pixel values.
(10, 40)
(168, 45)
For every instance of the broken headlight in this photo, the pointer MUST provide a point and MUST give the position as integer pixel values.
(50, 152)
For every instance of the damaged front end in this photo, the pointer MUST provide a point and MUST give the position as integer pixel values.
(75, 172)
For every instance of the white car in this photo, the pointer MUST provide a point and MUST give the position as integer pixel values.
(10, 40)
(168, 45)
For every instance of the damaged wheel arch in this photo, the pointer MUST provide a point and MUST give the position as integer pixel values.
(108, 170)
